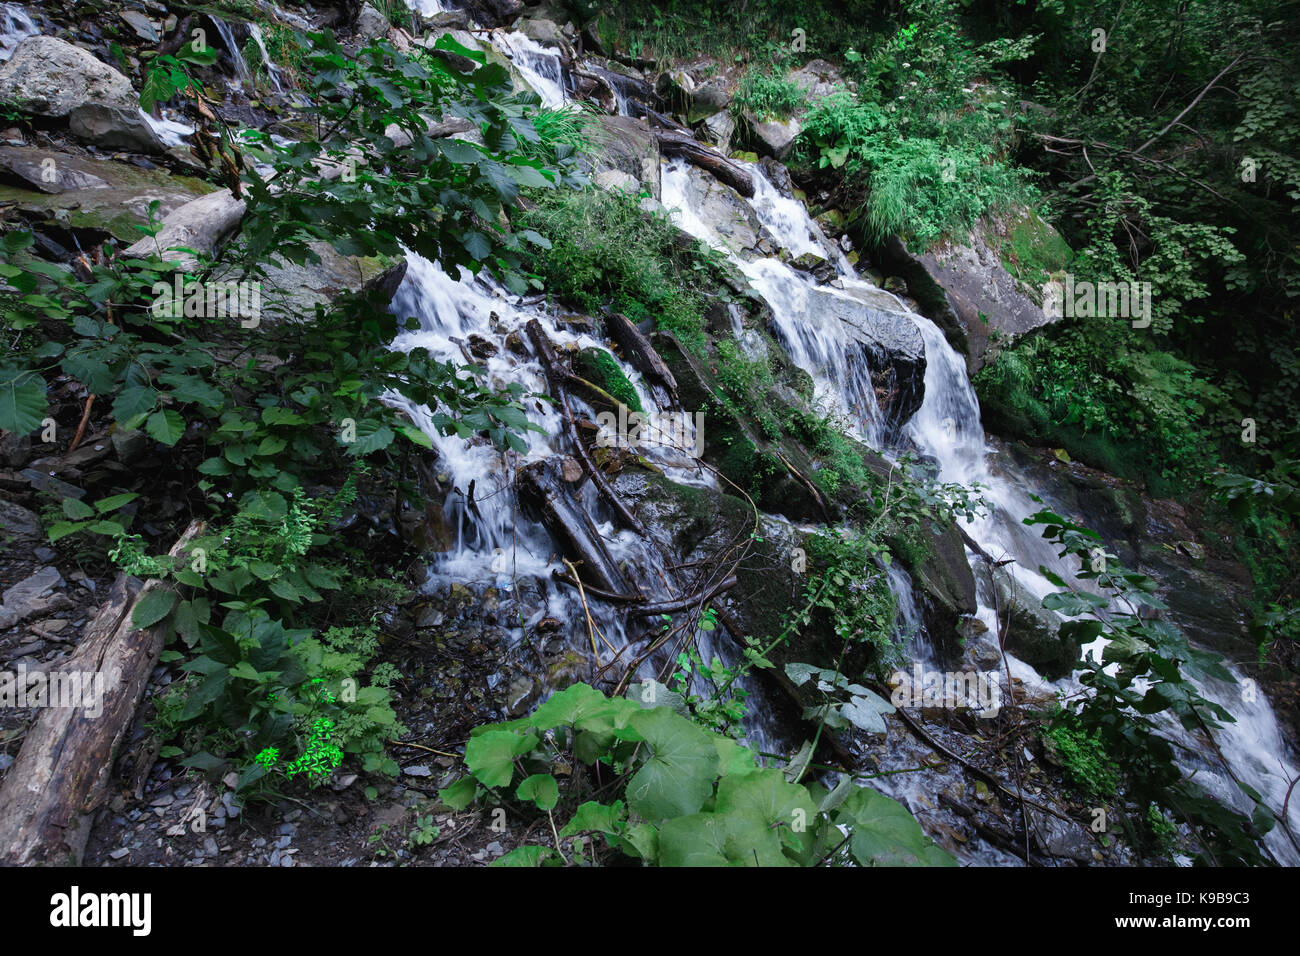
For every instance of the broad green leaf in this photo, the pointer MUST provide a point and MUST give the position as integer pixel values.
(490, 756)
(153, 607)
(540, 788)
(678, 777)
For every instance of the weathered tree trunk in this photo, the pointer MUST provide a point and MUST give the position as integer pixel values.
(555, 379)
(541, 484)
(683, 144)
(61, 775)
(638, 350)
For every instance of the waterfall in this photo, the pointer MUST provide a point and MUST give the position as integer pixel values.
(539, 66)
(948, 428)
(16, 25)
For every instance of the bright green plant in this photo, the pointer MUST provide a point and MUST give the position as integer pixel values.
(682, 796)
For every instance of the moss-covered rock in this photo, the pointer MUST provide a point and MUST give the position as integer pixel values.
(600, 368)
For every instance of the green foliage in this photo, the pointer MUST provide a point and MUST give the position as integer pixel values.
(1143, 671)
(767, 95)
(1086, 764)
(272, 411)
(681, 795)
(858, 604)
(605, 253)
(600, 368)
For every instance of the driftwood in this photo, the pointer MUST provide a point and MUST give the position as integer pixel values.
(62, 772)
(555, 378)
(677, 143)
(542, 485)
(680, 604)
(612, 596)
(200, 225)
(638, 350)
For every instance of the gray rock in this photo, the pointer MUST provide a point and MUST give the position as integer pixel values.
(542, 30)
(51, 77)
(119, 853)
(966, 288)
(773, 137)
(42, 481)
(45, 173)
(419, 770)
(210, 847)
(17, 523)
(627, 145)
(115, 127)
(33, 596)
(721, 127)
(371, 23)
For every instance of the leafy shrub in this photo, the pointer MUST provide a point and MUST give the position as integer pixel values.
(680, 796)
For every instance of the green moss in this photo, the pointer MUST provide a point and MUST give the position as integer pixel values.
(600, 368)
(1032, 250)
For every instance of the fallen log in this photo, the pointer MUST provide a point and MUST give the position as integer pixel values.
(541, 484)
(201, 224)
(681, 604)
(61, 776)
(683, 144)
(555, 379)
(638, 350)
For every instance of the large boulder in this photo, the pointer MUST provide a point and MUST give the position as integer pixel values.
(115, 127)
(881, 346)
(732, 220)
(51, 77)
(626, 146)
(991, 282)
(76, 193)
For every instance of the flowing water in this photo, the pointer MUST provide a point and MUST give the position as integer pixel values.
(497, 546)
(16, 25)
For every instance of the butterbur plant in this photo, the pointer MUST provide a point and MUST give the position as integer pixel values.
(680, 795)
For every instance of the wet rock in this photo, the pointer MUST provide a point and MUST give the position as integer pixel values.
(82, 193)
(967, 289)
(626, 144)
(1033, 632)
(114, 127)
(51, 77)
(731, 218)
(888, 346)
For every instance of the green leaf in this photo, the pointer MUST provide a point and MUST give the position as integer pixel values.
(490, 756)
(460, 794)
(885, 834)
(166, 426)
(134, 401)
(153, 607)
(540, 788)
(597, 817)
(529, 856)
(22, 400)
(76, 510)
(679, 775)
(113, 502)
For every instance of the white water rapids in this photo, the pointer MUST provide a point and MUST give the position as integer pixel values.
(496, 545)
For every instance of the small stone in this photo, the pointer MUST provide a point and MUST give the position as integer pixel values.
(419, 770)
(119, 853)
(231, 780)
(210, 847)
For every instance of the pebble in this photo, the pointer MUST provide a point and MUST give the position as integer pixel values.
(419, 770)
(275, 859)
(286, 861)
(165, 800)
(119, 853)
(288, 828)
(283, 841)
(210, 847)
(495, 848)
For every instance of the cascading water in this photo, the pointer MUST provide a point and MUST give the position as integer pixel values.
(539, 65)
(16, 25)
(948, 428)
